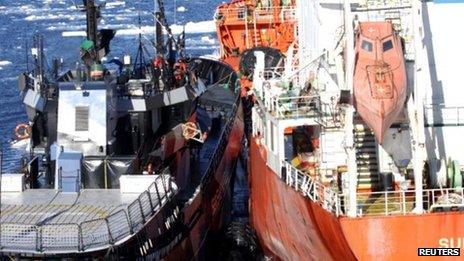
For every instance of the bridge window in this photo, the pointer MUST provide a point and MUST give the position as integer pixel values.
(387, 45)
(366, 45)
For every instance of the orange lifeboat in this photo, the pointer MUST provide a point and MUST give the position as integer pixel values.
(379, 76)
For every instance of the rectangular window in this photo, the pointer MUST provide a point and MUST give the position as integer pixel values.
(387, 45)
(82, 118)
(366, 45)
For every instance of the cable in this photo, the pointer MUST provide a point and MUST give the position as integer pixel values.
(1, 174)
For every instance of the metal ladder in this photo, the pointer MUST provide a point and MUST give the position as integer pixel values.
(366, 157)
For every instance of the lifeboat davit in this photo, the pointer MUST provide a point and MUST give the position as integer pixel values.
(379, 76)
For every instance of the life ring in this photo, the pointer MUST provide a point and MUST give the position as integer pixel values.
(22, 131)
(189, 130)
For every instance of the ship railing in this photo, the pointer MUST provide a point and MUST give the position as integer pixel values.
(445, 199)
(95, 234)
(294, 107)
(312, 188)
(255, 14)
(286, 105)
(442, 114)
(221, 145)
(383, 203)
(402, 202)
(380, 203)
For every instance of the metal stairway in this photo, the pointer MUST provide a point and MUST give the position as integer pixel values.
(257, 40)
(366, 157)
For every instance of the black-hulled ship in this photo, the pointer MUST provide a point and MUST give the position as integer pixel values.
(131, 163)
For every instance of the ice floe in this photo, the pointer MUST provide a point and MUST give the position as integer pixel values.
(190, 28)
(5, 63)
(181, 9)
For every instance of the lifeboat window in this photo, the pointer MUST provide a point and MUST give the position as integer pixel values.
(387, 45)
(366, 45)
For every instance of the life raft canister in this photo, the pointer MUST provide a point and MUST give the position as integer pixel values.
(22, 131)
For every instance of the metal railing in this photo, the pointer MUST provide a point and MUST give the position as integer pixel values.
(255, 14)
(295, 107)
(285, 96)
(387, 203)
(442, 114)
(384, 203)
(311, 188)
(90, 234)
(221, 145)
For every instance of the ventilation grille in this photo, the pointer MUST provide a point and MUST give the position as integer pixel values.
(82, 118)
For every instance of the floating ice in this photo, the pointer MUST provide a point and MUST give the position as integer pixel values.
(181, 9)
(195, 27)
(190, 28)
(44, 17)
(207, 39)
(110, 5)
(5, 63)
(22, 144)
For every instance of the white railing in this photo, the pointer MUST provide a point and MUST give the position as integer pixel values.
(294, 107)
(442, 114)
(284, 103)
(102, 232)
(384, 203)
(437, 198)
(255, 14)
(311, 188)
(275, 101)
(388, 203)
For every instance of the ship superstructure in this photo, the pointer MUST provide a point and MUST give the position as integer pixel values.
(321, 185)
(129, 163)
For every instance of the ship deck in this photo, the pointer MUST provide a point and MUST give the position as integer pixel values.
(46, 221)
(47, 206)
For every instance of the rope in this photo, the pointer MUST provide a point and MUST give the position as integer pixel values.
(45, 219)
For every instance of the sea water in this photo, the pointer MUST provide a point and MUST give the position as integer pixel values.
(63, 27)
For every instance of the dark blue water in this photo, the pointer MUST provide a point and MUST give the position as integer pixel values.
(241, 193)
(21, 19)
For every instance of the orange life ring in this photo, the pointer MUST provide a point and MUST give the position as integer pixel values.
(189, 130)
(22, 131)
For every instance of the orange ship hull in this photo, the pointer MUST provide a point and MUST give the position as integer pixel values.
(380, 76)
(292, 227)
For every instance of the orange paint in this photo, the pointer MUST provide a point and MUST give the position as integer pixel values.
(242, 25)
(292, 227)
(380, 76)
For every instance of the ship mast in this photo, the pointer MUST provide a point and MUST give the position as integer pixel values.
(160, 23)
(38, 56)
(92, 16)
(349, 140)
(159, 34)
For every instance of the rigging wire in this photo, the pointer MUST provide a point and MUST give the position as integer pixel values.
(1, 174)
